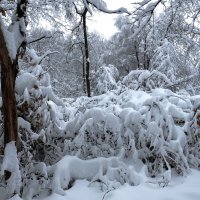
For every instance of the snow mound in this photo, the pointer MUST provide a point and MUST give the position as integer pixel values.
(105, 170)
(11, 164)
(25, 80)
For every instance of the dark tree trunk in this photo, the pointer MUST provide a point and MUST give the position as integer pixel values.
(137, 55)
(83, 64)
(146, 57)
(9, 69)
(8, 76)
(84, 79)
(87, 61)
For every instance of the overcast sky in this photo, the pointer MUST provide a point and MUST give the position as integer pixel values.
(104, 23)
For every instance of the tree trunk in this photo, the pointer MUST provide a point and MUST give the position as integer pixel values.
(8, 76)
(83, 68)
(87, 75)
(137, 55)
(9, 69)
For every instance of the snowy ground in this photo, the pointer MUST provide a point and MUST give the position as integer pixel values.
(181, 188)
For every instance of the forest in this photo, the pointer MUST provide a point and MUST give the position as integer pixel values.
(85, 117)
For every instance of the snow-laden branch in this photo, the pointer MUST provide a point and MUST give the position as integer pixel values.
(45, 36)
(144, 13)
(181, 80)
(35, 59)
(5, 6)
(101, 6)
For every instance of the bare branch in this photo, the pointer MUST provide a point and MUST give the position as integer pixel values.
(30, 41)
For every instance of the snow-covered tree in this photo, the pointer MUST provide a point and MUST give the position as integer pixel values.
(167, 42)
(106, 79)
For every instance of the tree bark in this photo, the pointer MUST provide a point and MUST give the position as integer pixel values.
(137, 55)
(87, 74)
(83, 68)
(9, 69)
(8, 76)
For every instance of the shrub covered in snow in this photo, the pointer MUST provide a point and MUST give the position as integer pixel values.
(145, 80)
(106, 78)
(192, 130)
(38, 119)
(149, 130)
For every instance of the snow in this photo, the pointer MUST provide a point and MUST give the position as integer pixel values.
(139, 129)
(13, 34)
(26, 125)
(25, 80)
(135, 140)
(10, 40)
(34, 59)
(105, 169)
(146, 80)
(11, 164)
(115, 140)
(144, 2)
(16, 197)
(106, 76)
(181, 188)
(101, 5)
(49, 92)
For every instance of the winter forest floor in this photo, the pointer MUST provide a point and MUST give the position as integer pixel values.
(181, 188)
